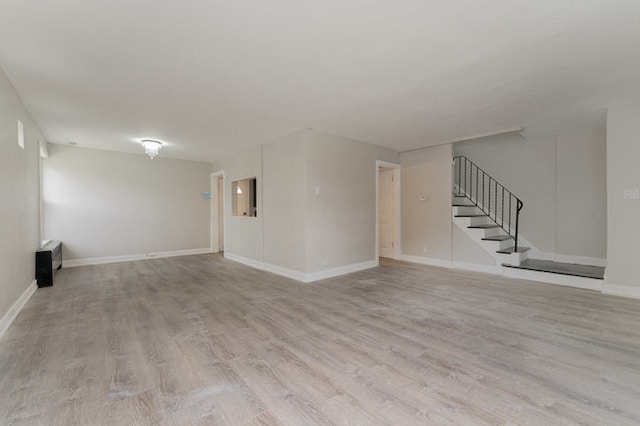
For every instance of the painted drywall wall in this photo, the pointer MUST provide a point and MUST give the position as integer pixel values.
(103, 204)
(426, 225)
(341, 200)
(467, 251)
(243, 235)
(19, 197)
(317, 208)
(284, 186)
(561, 178)
(623, 173)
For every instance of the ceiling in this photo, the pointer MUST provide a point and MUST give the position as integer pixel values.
(214, 77)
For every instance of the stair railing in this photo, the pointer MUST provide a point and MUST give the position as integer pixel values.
(488, 195)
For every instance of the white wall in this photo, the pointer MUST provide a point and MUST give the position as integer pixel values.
(426, 226)
(560, 175)
(468, 252)
(341, 219)
(102, 204)
(299, 230)
(285, 207)
(243, 234)
(19, 197)
(623, 172)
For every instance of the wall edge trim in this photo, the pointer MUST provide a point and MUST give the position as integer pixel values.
(72, 263)
(477, 267)
(620, 290)
(18, 305)
(426, 261)
(340, 270)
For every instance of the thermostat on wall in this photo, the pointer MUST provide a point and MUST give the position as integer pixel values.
(206, 195)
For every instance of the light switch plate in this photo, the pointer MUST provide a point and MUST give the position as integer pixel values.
(631, 194)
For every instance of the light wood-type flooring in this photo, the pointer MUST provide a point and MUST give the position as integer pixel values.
(200, 340)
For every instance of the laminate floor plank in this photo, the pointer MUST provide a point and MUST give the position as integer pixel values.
(200, 340)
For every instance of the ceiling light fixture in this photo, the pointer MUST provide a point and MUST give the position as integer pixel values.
(151, 147)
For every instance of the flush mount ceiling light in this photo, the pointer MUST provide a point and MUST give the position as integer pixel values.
(151, 147)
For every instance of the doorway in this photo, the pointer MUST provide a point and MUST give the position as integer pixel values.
(217, 212)
(388, 210)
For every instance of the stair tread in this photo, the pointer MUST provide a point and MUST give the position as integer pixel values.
(488, 226)
(510, 250)
(463, 205)
(471, 215)
(498, 238)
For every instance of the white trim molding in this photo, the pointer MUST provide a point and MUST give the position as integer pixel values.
(244, 260)
(476, 267)
(340, 270)
(72, 263)
(427, 261)
(301, 276)
(550, 278)
(621, 290)
(13, 312)
(285, 272)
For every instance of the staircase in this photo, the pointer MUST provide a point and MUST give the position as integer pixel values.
(488, 212)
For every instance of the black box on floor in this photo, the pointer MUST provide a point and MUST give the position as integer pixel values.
(48, 261)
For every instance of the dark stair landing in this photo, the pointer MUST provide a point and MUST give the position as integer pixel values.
(586, 271)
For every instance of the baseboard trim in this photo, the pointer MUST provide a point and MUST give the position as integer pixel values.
(72, 263)
(285, 272)
(13, 312)
(475, 267)
(621, 290)
(558, 279)
(244, 260)
(340, 270)
(426, 261)
(301, 276)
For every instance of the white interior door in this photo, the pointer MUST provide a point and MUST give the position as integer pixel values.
(217, 213)
(220, 214)
(386, 212)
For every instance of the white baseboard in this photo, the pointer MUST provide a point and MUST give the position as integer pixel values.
(71, 263)
(13, 312)
(285, 272)
(341, 270)
(301, 276)
(426, 261)
(621, 290)
(475, 267)
(559, 279)
(244, 260)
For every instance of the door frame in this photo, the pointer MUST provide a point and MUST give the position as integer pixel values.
(397, 224)
(214, 220)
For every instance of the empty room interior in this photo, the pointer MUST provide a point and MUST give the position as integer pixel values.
(337, 212)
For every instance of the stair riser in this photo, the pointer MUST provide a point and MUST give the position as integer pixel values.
(477, 221)
(492, 232)
(490, 246)
(467, 210)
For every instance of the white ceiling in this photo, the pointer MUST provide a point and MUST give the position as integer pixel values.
(213, 77)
